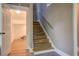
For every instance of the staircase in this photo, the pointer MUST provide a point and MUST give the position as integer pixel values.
(40, 40)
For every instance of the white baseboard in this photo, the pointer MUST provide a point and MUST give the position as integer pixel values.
(31, 50)
(45, 51)
(61, 53)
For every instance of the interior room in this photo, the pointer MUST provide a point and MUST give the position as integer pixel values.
(18, 31)
(40, 30)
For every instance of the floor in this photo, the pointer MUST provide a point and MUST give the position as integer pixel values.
(19, 48)
(52, 53)
(40, 40)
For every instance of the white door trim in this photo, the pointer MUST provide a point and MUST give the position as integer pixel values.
(17, 7)
(75, 29)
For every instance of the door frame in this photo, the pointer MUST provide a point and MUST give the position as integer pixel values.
(28, 21)
(75, 39)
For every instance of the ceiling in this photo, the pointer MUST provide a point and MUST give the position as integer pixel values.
(21, 4)
(18, 18)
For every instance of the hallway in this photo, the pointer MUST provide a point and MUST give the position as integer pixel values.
(39, 38)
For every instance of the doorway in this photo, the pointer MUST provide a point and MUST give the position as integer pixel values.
(18, 31)
(15, 40)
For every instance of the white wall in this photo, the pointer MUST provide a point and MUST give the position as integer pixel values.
(30, 27)
(18, 24)
(59, 17)
(19, 30)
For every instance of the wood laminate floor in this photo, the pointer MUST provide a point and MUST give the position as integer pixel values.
(18, 48)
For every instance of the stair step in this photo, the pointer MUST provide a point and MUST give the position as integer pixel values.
(39, 37)
(38, 33)
(38, 29)
(35, 23)
(42, 47)
(42, 44)
(41, 41)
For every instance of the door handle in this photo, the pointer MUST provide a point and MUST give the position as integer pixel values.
(2, 33)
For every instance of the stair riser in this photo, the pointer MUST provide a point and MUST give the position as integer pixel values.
(39, 38)
(40, 42)
(42, 45)
(38, 33)
(40, 49)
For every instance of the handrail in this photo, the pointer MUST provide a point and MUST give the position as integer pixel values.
(46, 21)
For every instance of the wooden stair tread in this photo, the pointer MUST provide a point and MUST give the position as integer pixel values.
(39, 37)
(40, 41)
(43, 44)
(43, 47)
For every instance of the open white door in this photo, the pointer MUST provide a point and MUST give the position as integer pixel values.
(0, 27)
(6, 30)
(6, 42)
